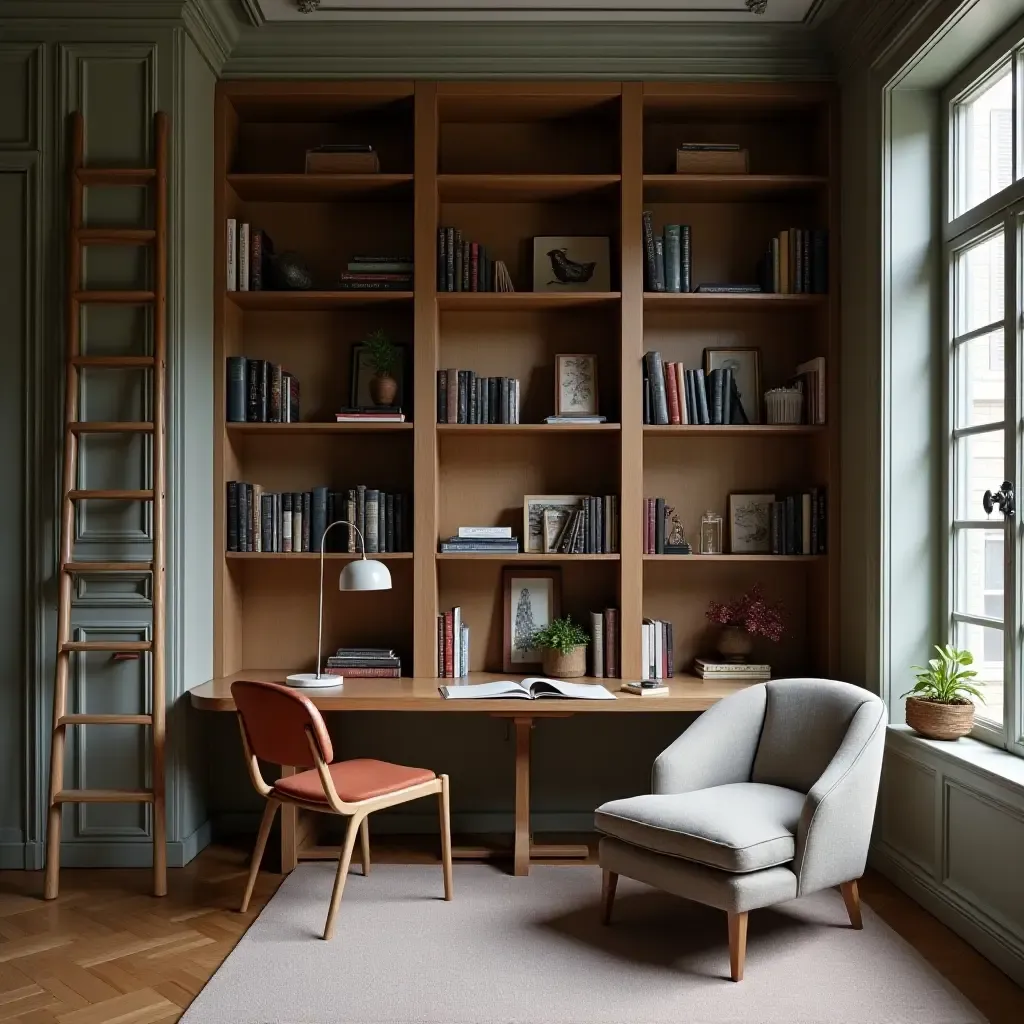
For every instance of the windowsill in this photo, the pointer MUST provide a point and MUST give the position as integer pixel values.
(993, 762)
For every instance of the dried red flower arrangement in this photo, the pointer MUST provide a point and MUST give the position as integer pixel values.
(751, 612)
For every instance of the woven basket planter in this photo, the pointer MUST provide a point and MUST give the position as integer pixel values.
(937, 721)
(565, 666)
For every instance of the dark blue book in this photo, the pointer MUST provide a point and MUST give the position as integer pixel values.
(318, 518)
(236, 384)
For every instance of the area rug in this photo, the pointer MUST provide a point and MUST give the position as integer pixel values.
(532, 951)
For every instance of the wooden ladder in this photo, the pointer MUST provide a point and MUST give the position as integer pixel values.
(74, 428)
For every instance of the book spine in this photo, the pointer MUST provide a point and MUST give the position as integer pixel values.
(452, 410)
(727, 386)
(814, 521)
(382, 522)
(389, 522)
(236, 389)
(680, 375)
(822, 522)
(371, 515)
(597, 645)
(650, 270)
(685, 279)
(659, 526)
(461, 407)
(449, 258)
(819, 262)
(307, 519)
(611, 649)
(659, 263)
(474, 267)
(243, 257)
(256, 261)
(360, 517)
(232, 255)
(647, 391)
(674, 413)
(717, 396)
(286, 521)
(296, 521)
(790, 527)
(805, 525)
(267, 522)
(232, 515)
(442, 247)
(449, 654)
(318, 518)
(464, 637)
(361, 672)
(702, 395)
(459, 253)
(673, 262)
(670, 665)
(442, 396)
(658, 392)
(252, 399)
(440, 646)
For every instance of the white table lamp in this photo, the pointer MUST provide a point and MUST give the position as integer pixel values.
(360, 574)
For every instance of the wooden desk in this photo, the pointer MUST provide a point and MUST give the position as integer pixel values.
(687, 694)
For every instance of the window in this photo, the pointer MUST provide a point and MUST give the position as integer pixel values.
(984, 249)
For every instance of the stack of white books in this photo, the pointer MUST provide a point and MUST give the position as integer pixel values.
(731, 670)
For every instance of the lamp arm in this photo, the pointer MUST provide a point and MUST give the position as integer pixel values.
(320, 613)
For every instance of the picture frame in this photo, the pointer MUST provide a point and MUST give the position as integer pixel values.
(532, 600)
(361, 372)
(750, 523)
(745, 364)
(572, 263)
(534, 507)
(554, 523)
(575, 384)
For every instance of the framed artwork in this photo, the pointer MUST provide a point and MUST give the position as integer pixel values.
(750, 524)
(534, 507)
(572, 263)
(575, 385)
(359, 386)
(554, 523)
(745, 364)
(533, 598)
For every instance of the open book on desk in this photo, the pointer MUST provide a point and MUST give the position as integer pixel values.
(531, 688)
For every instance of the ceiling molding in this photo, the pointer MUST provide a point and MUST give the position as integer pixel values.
(254, 12)
(213, 29)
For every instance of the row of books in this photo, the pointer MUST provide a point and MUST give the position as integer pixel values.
(747, 671)
(667, 257)
(495, 540)
(658, 539)
(656, 648)
(248, 253)
(673, 394)
(796, 263)
(452, 645)
(591, 529)
(798, 524)
(462, 266)
(259, 391)
(811, 380)
(604, 650)
(377, 273)
(463, 397)
(364, 663)
(294, 521)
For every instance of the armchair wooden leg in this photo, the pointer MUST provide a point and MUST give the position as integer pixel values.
(446, 836)
(344, 862)
(364, 850)
(609, 879)
(851, 897)
(257, 854)
(737, 944)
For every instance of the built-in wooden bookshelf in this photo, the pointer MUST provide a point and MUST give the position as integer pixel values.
(505, 162)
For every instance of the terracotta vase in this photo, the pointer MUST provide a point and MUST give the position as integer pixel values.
(937, 721)
(735, 643)
(383, 389)
(565, 666)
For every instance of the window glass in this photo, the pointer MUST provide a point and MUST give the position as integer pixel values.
(986, 644)
(978, 467)
(979, 285)
(979, 380)
(978, 571)
(985, 140)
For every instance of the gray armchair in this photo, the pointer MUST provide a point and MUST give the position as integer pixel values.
(768, 796)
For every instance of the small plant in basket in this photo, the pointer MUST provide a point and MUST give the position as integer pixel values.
(939, 705)
(563, 644)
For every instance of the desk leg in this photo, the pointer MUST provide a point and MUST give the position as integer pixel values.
(289, 831)
(522, 820)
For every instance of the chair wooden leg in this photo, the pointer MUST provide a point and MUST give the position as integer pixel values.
(851, 897)
(344, 862)
(257, 854)
(364, 850)
(609, 879)
(446, 836)
(737, 944)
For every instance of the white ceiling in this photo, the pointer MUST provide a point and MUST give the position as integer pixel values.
(540, 10)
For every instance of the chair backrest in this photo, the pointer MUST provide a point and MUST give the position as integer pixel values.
(275, 719)
(805, 721)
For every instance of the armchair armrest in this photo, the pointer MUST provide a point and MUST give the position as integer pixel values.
(835, 825)
(717, 749)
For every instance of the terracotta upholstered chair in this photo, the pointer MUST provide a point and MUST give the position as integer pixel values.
(768, 796)
(283, 727)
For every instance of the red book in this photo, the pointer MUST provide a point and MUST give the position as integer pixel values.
(651, 505)
(671, 386)
(449, 653)
(363, 673)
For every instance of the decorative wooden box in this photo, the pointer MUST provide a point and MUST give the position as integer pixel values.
(712, 161)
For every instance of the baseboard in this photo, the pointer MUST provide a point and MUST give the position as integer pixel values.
(12, 857)
(993, 942)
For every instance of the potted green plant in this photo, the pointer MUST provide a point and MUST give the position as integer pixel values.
(382, 354)
(939, 705)
(563, 646)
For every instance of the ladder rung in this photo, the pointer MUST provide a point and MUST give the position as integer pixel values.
(109, 296)
(113, 362)
(115, 236)
(112, 495)
(116, 175)
(76, 567)
(100, 427)
(104, 796)
(117, 646)
(105, 720)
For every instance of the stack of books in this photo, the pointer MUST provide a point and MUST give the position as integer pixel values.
(495, 540)
(673, 394)
(749, 672)
(463, 397)
(656, 647)
(260, 392)
(810, 378)
(452, 645)
(658, 538)
(796, 263)
(370, 414)
(248, 253)
(798, 524)
(377, 273)
(604, 644)
(364, 662)
(667, 257)
(462, 266)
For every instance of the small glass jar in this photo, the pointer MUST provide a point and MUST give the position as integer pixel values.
(710, 533)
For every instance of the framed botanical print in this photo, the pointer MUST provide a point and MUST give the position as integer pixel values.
(534, 507)
(745, 364)
(575, 385)
(750, 524)
(533, 599)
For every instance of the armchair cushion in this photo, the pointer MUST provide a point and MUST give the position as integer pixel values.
(738, 827)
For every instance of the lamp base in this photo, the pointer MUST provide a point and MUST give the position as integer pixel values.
(310, 680)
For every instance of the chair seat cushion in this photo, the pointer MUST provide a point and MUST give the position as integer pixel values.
(744, 826)
(358, 779)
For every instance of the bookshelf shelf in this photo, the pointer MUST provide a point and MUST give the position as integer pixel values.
(745, 302)
(311, 301)
(525, 188)
(508, 302)
(314, 556)
(483, 429)
(735, 559)
(484, 556)
(303, 429)
(728, 188)
(747, 431)
(313, 188)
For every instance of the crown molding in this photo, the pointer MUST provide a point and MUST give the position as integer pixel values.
(253, 12)
(551, 50)
(213, 28)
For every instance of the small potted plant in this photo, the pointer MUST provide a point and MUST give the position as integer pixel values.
(382, 354)
(563, 644)
(743, 619)
(939, 705)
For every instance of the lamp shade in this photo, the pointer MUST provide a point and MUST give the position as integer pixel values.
(365, 574)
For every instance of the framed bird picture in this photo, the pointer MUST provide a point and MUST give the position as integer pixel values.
(575, 385)
(571, 263)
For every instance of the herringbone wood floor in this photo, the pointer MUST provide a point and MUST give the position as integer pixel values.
(106, 952)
